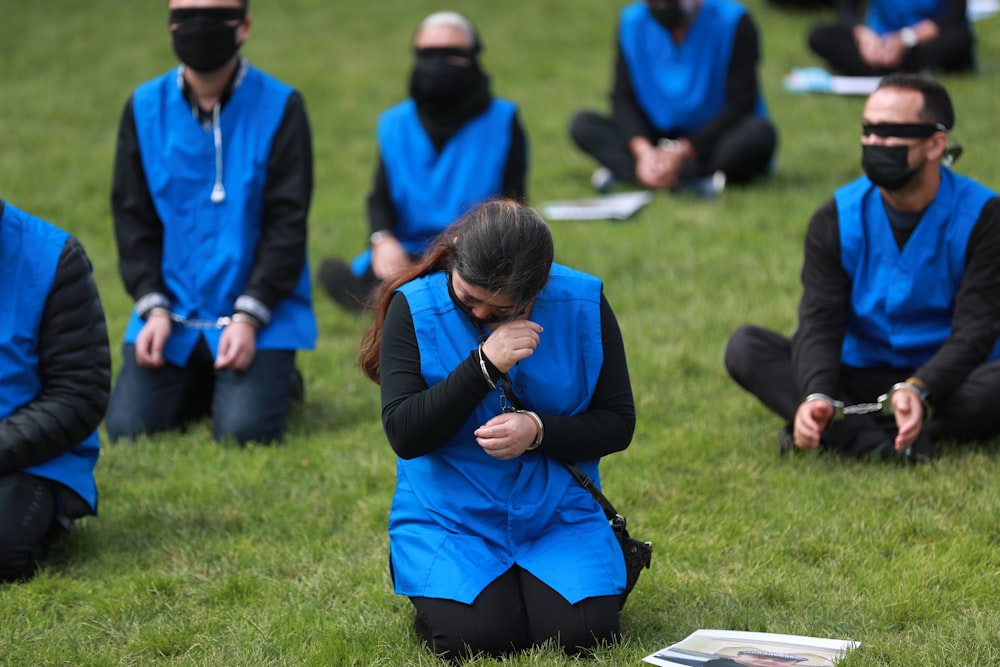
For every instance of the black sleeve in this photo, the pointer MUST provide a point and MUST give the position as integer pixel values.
(976, 322)
(824, 307)
(281, 252)
(849, 12)
(515, 176)
(418, 419)
(742, 88)
(955, 17)
(381, 211)
(75, 370)
(138, 228)
(625, 109)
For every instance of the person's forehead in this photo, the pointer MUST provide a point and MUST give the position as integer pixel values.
(441, 36)
(205, 4)
(893, 105)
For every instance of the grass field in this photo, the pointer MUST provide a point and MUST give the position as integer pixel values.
(212, 555)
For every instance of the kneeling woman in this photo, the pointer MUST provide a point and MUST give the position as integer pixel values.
(491, 538)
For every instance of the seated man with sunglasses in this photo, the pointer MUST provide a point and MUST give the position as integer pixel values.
(900, 284)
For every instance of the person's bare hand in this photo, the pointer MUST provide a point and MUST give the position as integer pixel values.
(510, 342)
(151, 340)
(507, 435)
(908, 410)
(810, 420)
(389, 258)
(237, 346)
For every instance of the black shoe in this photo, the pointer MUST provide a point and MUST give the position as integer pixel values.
(921, 451)
(340, 284)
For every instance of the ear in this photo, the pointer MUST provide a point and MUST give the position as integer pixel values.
(243, 31)
(937, 143)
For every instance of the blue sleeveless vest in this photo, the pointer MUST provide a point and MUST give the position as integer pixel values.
(461, 518)
(208, 247)
(430, 190)
(903, 301)
(888, 16)
(29, 253)
(681, 87)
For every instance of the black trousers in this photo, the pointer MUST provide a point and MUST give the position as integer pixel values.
(835, 44)
(515, 612)
(760, 361)
(743, 152)
(29, 519)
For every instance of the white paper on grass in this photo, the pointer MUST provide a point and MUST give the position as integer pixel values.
(818, 80)
(618, 206)
(704, 645)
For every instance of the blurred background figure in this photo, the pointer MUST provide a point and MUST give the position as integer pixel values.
(877, 37)
(55, 376)
(212, 186)
(449, 146)
(687, 110)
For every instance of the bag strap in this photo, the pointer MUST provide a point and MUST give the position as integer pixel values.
(578, 474)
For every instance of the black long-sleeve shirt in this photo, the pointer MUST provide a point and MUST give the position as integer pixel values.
(382, 214)
(281, 251)
(74, 365)
(825, 307)
(419, 419)
(742, 89)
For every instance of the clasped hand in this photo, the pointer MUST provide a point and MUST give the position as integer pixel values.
(237, 346)
(815, 415)
(509, 434)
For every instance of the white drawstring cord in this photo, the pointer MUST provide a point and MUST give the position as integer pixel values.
(218, 191)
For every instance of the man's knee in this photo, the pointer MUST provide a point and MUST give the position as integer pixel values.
(739, 351)
(583, 128)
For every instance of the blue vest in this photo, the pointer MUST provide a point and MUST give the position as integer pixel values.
(208, 247)
(461, 518)
(885, 16)
(681, 87)
(903, 301)
(29, 254)
(431, 189)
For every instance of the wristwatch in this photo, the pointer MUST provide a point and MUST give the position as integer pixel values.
(909, 37)
(379, 236)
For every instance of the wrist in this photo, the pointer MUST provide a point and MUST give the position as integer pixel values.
(245, 318)
(539, 428)
(379, 236)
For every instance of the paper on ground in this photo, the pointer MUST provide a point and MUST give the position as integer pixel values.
(818, 80)
(617, 206)
(702, 646)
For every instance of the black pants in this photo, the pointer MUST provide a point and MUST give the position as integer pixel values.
(835, 44)
(29, 519)
(516, 611)
(760, 361)
(743, 152)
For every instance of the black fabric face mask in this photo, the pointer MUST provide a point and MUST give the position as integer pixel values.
(887, 166)
(448, 94)
(203, 39)
(669, 15)
(437, 80)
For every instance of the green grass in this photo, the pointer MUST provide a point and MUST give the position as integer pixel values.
(210, 555)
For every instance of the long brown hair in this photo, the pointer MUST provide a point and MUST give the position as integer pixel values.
(500, 245)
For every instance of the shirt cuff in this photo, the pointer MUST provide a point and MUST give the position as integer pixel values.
(253, 307)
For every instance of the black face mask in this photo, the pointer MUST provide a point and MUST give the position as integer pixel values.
(438, 81)
(203, 39)
(887, 166)
(670, 15)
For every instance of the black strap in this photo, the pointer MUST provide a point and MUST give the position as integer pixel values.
(578, 474)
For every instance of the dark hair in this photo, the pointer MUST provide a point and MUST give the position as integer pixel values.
(500, 245)
(937, 106)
